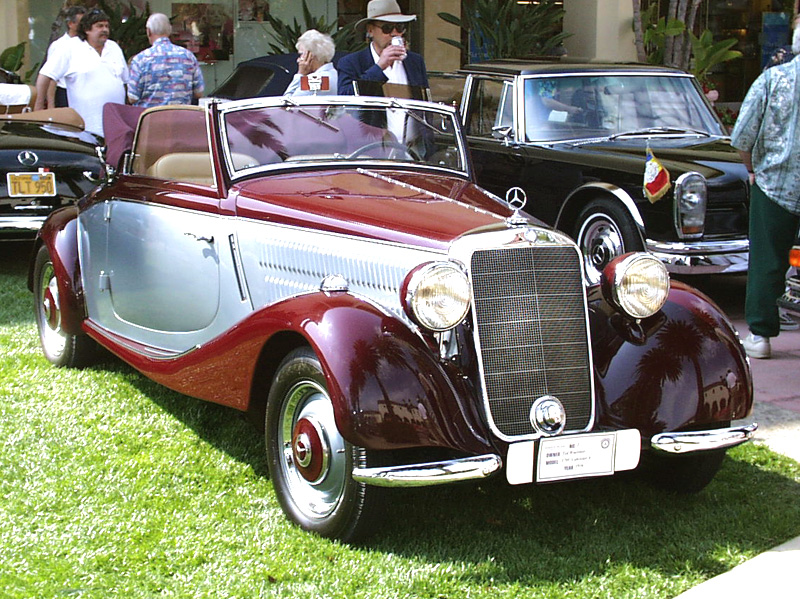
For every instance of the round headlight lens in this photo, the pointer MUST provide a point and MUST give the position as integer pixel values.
(640, 284)
(438, 296)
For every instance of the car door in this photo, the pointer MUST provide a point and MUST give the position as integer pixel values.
(502, 157)
(156, 252)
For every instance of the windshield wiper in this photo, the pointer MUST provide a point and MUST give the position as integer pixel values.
(658, 131)
(416, 117)
(289, 102)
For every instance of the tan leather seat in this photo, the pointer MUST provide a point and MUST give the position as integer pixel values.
(194, 167)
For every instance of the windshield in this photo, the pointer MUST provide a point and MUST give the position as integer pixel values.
(295, 133)
(572, 107)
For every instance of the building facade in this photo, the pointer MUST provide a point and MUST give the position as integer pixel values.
(226, 32)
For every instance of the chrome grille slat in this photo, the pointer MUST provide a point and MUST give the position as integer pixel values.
(530, 316)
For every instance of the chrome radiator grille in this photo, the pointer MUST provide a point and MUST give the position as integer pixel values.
(530, 315)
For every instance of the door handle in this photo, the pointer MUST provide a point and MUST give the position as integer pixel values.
(209, 240)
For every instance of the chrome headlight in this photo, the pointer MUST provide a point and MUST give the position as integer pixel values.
(691, 194)
(437, 295)
(637, 284)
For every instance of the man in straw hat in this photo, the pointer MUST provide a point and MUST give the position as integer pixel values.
(385, 59)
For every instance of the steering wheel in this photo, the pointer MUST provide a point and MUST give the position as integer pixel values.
(396, 149)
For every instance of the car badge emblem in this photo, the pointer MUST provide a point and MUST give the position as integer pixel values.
(516, 198)
(27, 158)
(548, 415)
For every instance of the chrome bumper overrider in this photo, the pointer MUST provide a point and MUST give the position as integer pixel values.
(702, 257)
(431, 473)
(681, 443)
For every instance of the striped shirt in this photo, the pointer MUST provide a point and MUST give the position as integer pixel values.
(164, 74)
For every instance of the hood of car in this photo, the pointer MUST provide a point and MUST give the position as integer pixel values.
(26, 135)
(714, 158)
(427, 210)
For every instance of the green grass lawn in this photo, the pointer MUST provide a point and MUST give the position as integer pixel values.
(112, 486)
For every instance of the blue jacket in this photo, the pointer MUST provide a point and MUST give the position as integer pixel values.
(360, 65)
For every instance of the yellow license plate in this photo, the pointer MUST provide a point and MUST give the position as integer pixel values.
(31, 184)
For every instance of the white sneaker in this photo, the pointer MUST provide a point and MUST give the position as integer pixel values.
(787, 322)
(757, 346)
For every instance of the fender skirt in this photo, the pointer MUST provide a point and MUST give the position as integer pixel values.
(680, 369)
(388, 389)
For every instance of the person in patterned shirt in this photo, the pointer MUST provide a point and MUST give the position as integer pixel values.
(767, 135)
(164, 73)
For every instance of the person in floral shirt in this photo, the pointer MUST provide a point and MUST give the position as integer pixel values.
(767, 135)
(164, 73)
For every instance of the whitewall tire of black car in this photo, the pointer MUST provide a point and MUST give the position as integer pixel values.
(604, 231)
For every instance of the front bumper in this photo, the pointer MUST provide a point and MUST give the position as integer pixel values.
(682, 443)
(702, 257)
(14, 226)
(430, 473)
(479, 467)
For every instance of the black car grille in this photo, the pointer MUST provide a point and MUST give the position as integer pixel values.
(530, 314)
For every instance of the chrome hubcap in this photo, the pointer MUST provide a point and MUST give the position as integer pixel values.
(600, 242)
(314, 454)
(53, 338)
(310, 450)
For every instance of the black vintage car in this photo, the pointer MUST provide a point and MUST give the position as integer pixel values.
(575, 136)
(261, 77)
(47, 161)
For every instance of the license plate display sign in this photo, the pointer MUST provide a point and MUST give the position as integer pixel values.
(575, 456)
(31, 184)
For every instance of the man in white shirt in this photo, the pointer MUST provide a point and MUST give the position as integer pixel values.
(57, 93)
(94, 69)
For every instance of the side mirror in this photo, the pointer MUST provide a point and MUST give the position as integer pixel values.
(503, 132)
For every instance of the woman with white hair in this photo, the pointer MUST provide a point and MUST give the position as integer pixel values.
(314, 64)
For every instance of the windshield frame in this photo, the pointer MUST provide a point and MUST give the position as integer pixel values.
(709, 116)
(307, 103)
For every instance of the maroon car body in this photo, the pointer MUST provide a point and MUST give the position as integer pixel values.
(389, 322)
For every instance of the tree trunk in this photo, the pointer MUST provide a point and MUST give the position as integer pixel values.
(690, 21)
(681, 40)
(669, 41)
(638, 33)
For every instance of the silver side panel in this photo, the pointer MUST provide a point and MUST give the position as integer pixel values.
(282, 261)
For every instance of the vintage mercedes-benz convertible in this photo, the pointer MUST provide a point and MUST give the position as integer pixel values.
(330, 267)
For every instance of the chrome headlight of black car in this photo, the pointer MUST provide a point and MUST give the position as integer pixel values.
(637, 284)
(691, 193)
(437, 295)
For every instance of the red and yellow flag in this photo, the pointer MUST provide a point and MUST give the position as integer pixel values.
(656, 178)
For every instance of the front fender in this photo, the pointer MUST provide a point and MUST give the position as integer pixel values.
(578, 198)
(59, 234)
(387, 385)
(681, 369)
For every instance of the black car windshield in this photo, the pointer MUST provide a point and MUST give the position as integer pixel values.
(291, 132)
(580, 107)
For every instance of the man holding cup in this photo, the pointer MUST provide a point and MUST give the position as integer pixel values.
(386, 59)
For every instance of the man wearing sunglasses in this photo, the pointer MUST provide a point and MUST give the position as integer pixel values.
(383, 60)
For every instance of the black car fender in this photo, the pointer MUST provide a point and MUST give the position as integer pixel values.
(580, 196)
